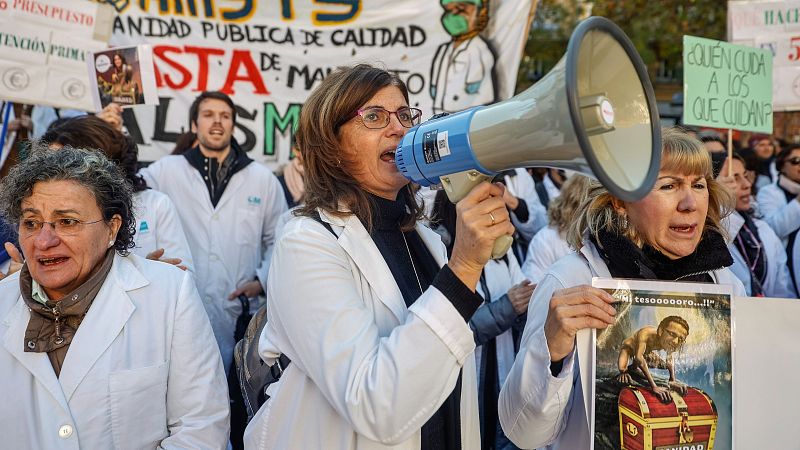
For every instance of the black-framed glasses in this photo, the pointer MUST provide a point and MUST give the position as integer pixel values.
(376, 117)
(63, 227)
(794, 161)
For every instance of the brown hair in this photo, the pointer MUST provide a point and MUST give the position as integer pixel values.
(784, 154)
(680, 153)
(194, 110)
(676, 319)
(329, 184)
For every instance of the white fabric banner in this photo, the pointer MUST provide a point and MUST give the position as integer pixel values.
(773, 26)
(43, 47)
(269, 55)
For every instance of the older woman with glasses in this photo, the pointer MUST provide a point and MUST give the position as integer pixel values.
(361, 298)
(102, 349)
(779, 204)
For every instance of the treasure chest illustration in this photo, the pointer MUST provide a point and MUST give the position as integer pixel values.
(688, 422)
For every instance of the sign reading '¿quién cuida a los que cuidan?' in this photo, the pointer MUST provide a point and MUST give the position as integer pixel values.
(726, 85)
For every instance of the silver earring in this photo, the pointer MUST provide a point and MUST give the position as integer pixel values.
(110, 243)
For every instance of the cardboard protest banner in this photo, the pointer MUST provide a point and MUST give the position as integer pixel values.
(123, 75)
(772, 26)
(269, 56)
(726, 85)
(44, 46)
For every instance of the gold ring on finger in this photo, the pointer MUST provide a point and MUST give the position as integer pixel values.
(491, 216)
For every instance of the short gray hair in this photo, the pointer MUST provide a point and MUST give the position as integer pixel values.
(89, 168)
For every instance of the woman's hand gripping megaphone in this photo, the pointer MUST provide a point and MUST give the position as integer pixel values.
(482, 219)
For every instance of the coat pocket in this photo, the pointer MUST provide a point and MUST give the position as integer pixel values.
(138, 406)
(248, 226)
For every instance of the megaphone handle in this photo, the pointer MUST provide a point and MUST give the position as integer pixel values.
(457, 186)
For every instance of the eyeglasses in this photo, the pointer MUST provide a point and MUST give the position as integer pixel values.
(62, 227)
(794, 161)
(377, 117)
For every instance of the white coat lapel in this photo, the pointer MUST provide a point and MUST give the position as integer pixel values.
(38, 364)
(359, 245)
(595, 261)
(107, 316)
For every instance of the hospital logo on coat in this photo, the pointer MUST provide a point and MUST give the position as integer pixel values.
(253, 200)
(143, 228)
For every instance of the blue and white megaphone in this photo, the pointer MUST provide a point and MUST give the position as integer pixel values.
(594, 113)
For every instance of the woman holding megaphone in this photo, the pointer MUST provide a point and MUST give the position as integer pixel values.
(673, 233)
(361, 296)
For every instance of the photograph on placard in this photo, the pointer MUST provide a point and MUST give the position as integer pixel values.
(663, 370)
(124, 76)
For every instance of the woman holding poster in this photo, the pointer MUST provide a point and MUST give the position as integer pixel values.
(674, 233)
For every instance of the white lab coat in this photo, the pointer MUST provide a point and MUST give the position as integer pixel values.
(158, 226)
(546, 247)
(535, 408)
(523, 187)
(228, 242)
(367, 372)
(500, 277)
(783, 216)
(553, 191)
(461, 77)
(141, 372)
(778, 282)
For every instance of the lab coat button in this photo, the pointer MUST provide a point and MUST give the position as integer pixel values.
(65, 431)
(213, 257)
(215, 216)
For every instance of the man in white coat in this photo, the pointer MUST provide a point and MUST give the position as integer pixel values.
(229, 206)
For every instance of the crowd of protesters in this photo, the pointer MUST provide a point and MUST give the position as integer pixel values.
(124, 290)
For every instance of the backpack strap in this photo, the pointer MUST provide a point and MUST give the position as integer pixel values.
(255, 376)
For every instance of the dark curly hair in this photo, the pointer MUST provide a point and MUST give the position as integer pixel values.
(89, 168)
(94, 133)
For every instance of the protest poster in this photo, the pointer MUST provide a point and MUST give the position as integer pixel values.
(663, 372)
(773, 26)
(123, 75)
(44, 47)
(767, 363)
(726, 85)
(269, 56)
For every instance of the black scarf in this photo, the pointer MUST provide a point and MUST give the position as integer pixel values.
(414, 269)
(626, 260)
(216, 175)
(749, 245)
